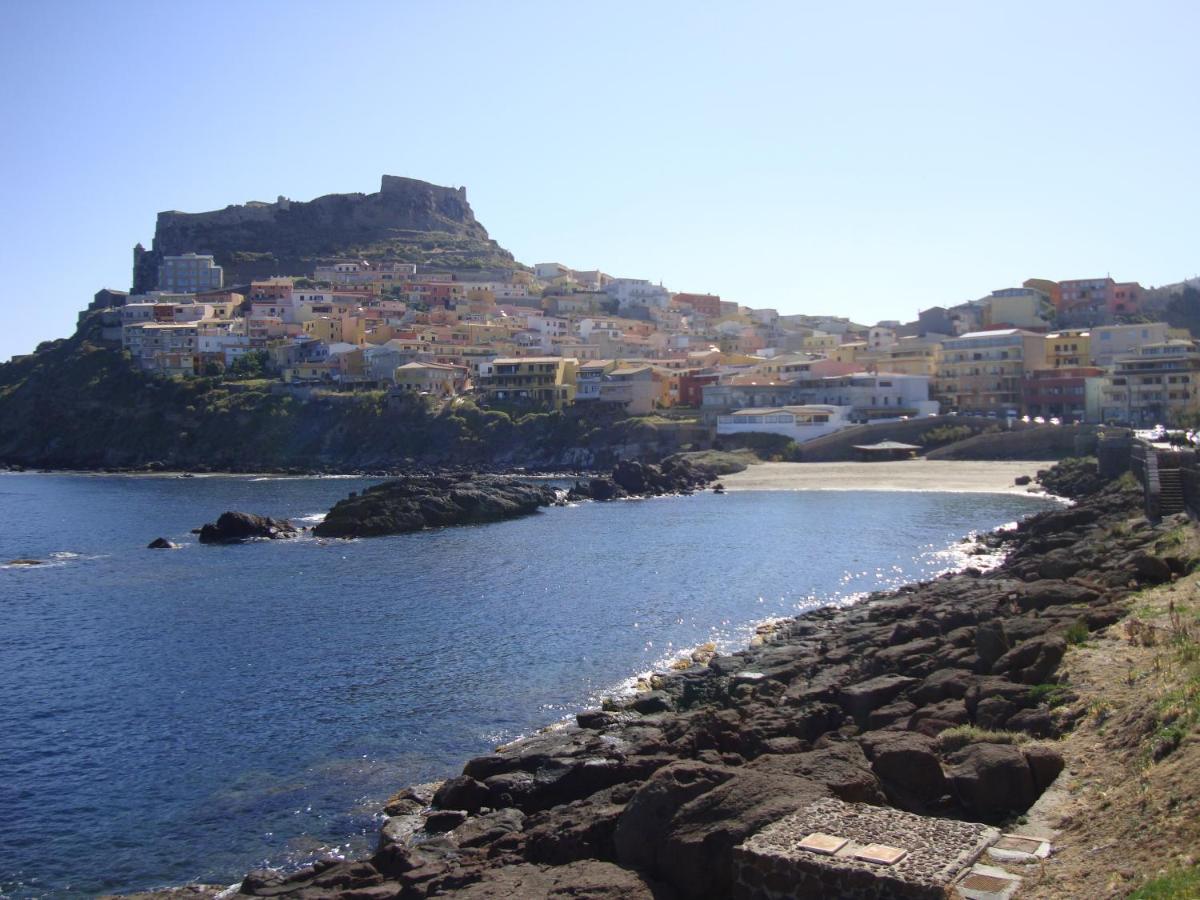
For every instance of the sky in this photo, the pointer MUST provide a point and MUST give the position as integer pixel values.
(863, 159)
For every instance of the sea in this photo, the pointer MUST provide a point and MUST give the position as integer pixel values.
(169, 716)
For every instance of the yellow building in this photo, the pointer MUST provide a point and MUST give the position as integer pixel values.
(848, 353)
(1068, 349)
(548, 380)
(335, 329)
(1158, 385)
(820, 342)
(908, 356)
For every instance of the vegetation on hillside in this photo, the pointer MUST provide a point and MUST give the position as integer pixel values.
(79, 403)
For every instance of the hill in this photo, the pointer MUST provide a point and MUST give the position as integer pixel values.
(405, 221)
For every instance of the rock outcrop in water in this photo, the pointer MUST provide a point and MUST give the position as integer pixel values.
(894, 701)
(236, 527)
(428, 501)
(630, 478)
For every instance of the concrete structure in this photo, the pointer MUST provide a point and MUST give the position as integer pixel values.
(189, 273)
(983, 371)
(800, 423)
(857, 852)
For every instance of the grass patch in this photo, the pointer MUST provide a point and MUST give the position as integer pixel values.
(1077, 633)
(1053, 695)
(961, 735)
(1182, 884)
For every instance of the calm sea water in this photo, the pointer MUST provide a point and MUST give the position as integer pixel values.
(170, 716)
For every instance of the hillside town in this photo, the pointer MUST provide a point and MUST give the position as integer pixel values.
(551, 337)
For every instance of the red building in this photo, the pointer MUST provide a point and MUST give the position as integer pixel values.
(704, 304)
(691, 386)
(1057, 392)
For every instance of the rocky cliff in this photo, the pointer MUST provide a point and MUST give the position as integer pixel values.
(406, 220)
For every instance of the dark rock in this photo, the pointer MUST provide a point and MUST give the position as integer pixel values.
(1150, 569)
(1034, 660)
(161, 543)
(893, 712)
(1046, 593)
(1034, 722)
(908, 767)
(590, 879)
(417, 502)
(595, 719)
(462, 792)
(941, 684)
(841, 767)
(444, 820)
(235, 527)
(683, 824)
(991, 643)
(992, 779)
(652, 702)
(993, 712)
(858, 700)
(580, 830)
(1045, 763)
(487, 829)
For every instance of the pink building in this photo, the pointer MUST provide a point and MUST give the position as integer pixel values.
(1101, 296)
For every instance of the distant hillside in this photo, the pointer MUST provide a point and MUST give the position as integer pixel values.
(405, 221)
(82, 403)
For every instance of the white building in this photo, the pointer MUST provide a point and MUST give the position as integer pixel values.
(638, 292)
(877, 396)
(800, 423)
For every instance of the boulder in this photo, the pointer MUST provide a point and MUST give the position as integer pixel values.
(1034, 660)
(1150, 569)
(991, 643)
(462, 792)
(1034, 722)
(992, 780)
(908, 768)
(941, 684)
(858, 700)
(236, 527)
(591, 879)
(161, 543)
(1049, 592)
(840, 766)
(483, 830)
(1045, 763)
(682, 824)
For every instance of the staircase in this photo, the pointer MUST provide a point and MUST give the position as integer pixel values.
(1170, 492)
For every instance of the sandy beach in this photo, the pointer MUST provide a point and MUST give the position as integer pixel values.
(953, 476)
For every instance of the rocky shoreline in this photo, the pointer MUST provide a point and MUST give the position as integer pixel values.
(936, 698)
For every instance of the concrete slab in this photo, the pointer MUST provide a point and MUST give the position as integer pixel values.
(887, 855)
(1019, 848)
(827, 844)
(987, 883)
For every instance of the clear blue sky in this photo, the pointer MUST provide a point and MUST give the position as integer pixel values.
(864, 159)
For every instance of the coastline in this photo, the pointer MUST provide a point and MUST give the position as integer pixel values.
(948, 476)
(846, 702)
